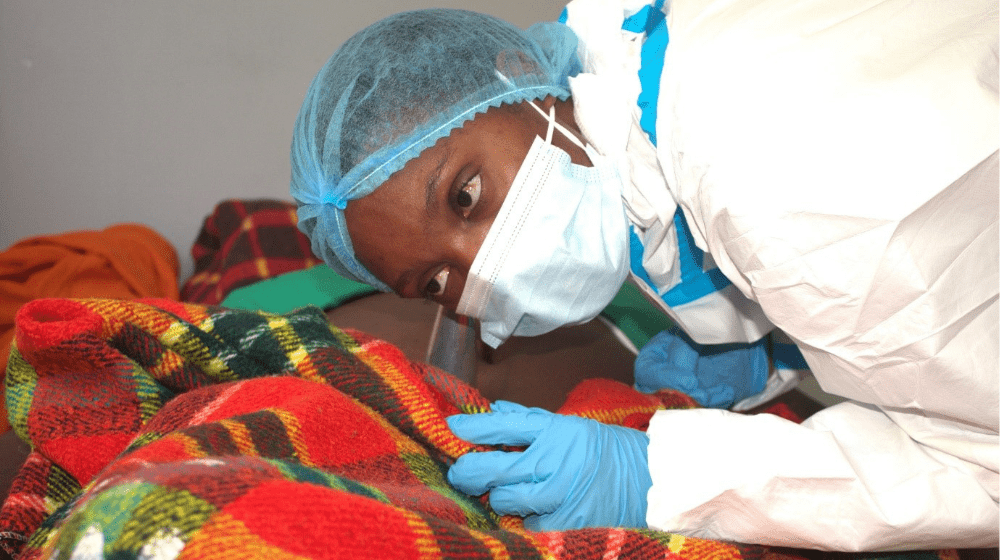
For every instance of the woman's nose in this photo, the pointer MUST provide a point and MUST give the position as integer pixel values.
(464, 251)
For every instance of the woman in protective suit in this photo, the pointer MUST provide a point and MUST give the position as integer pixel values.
(822, 170)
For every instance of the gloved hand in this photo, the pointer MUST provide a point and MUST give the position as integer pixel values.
(715, 375)
(575, 473)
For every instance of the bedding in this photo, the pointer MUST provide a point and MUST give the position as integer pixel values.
(243, 242)
(121, 261)
(169, 430)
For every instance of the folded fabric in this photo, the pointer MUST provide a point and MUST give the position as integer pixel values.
(242, 242)
(205, 432)
(319, 286)
(122, 261)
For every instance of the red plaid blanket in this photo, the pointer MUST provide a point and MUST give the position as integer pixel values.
(169, 430)
(242, 242)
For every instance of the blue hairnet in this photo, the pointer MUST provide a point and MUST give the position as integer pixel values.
(396, 88)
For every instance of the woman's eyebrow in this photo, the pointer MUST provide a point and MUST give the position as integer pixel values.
(432, 183)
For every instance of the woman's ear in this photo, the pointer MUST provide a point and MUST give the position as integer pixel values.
(547, 102)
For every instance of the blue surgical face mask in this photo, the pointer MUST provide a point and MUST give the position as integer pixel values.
(557, 252)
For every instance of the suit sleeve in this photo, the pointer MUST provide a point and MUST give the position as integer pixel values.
(850, 478)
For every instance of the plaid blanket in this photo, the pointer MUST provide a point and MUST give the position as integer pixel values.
(242, 242)
(169, 430)
(121, 261)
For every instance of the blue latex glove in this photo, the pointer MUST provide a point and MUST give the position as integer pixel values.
(715, 375)
(575, 473)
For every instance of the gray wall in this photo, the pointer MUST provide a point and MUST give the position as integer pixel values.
(153, 111)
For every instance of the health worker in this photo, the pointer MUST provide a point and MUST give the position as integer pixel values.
(826, 170)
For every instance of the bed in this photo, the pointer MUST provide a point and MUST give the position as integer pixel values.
(200, 426)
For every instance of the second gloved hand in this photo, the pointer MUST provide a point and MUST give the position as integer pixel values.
(575, 473)
(715, 375)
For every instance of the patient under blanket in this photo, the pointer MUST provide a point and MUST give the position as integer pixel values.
(169, 430)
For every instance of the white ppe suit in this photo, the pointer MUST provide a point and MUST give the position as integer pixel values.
(837, 161)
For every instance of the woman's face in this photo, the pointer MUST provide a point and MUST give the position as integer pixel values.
(419, 232)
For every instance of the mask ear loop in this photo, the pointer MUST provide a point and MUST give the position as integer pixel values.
(551, 117)
(552, 122)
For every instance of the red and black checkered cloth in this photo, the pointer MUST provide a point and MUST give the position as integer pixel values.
(243, 242)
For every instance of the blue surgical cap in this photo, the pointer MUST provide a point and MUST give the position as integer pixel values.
(395, 89)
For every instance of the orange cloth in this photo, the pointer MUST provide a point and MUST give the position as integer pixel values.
(124, 261)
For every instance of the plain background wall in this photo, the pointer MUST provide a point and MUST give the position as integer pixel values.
(154, 111)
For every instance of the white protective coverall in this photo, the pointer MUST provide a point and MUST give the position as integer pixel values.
(838, 161)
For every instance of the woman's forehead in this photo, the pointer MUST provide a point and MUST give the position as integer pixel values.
(476, 137)
(403, 200)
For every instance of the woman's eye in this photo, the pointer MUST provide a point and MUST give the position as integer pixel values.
(437, 284)
(468, 196)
